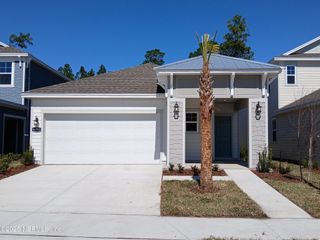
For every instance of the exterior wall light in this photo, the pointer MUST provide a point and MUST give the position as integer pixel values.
(258, 111)
(36, 125)
(176, 111)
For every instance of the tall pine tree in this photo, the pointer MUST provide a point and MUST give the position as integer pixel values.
(102, 69)
(235, 41)
(66, 70)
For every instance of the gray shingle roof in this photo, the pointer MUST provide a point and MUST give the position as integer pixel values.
(219, 63)
(136, 80)
(302, 55)
(10, 50)
(312, 98)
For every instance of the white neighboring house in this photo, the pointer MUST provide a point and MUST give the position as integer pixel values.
(150, 115)
(300, 77)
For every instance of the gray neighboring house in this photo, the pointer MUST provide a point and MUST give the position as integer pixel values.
(150, 114)
(300, 77)
(19, 72)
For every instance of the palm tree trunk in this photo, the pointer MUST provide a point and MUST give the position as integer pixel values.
(206, 110)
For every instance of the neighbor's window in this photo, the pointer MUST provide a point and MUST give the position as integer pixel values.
(291, 74)
(274, 130)
(5, 73)
(192, 122)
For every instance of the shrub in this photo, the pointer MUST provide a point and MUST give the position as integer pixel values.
(195, 170)
(171, 167)
(180, 168)
(4, 164)
(215, 167)
(27, 157)
(244, 153)
(284, 169)
(315, 165)
(264, 162)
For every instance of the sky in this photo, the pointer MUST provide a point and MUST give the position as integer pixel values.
(117, 33)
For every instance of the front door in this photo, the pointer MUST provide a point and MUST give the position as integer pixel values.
(222, 138)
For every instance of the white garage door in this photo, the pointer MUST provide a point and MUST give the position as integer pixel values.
(100, 139)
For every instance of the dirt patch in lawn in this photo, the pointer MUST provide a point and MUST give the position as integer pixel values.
(189, 172)
(277, 176)
(15, 170)
(178, 198)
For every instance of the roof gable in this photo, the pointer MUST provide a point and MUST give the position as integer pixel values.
(310, 47)
(218, 63)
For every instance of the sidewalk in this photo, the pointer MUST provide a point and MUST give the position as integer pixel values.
(274, 204)
(95, 226)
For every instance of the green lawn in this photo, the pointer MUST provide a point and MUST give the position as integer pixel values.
(178, 199)
(305, 196)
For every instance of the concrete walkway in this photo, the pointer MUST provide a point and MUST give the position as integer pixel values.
(274, 204)
(38, 226)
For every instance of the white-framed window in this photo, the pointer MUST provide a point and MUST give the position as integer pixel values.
(274, 130)
(291, 74)
(192, 122)
(6, 74)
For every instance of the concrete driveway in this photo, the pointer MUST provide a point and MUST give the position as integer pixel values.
(97, 189)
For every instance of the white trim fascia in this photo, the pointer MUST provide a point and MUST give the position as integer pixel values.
(168, 131)
(302, 46)
(266, 102)
(249, 134)
(171, 85)
(14, 54)
(296, 59)
(23, 80)
(3, 44)
(67, 95)
(263, 84)
(232, 77)
(245, 72)
(98, 110)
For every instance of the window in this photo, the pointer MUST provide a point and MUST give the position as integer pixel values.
(192, 122)
(5, 73)
(274, 130)
(291, 75)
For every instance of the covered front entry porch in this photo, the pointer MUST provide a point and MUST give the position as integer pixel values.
(230, 131)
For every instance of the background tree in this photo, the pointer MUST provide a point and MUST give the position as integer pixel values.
(66, 70)
(154, 56)
(206, 110)
(198, 51)
(102, 69)
(82, 73)
(90, 73)
(235, 40)
(22, 40)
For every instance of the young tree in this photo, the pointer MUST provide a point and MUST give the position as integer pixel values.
(22, 40)
(67, 71)
(206, 109)
(102, 69)
(235, 41)
(91, 73)
(198, 51)
(154, 56)
(82, 73)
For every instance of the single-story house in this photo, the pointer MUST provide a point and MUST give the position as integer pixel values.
(150, 114)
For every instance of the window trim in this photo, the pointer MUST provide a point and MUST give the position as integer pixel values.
(295, 75)
(197, 122)
(274, 130)
(12, 76)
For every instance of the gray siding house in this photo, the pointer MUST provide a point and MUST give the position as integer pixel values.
(300, 77)
(150, 114)
(19, 72)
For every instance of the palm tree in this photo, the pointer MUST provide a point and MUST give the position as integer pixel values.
(206, 109)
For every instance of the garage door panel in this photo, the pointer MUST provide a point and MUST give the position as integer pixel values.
(85, 139)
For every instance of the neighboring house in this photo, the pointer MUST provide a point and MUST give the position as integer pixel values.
(150, 114)
(301, 121)
(300, 76)
(19, 72)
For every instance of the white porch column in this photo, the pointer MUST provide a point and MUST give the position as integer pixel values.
(176, 131)
(258, 130)
(263, 84)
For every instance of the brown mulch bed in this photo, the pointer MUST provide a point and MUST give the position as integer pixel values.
(16, 170)
(277, 176)
(189, 172)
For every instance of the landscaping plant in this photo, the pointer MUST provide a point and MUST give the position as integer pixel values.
(264, 162)
(28, 157)
(171, 167)
(207, 46)
(244, 153)
(4, 164)
(195, 170)
(215, 167)
(180, 168)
